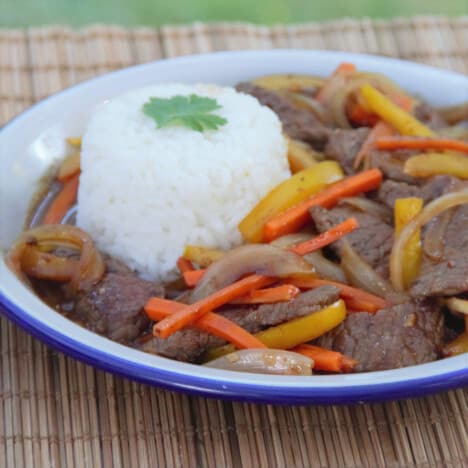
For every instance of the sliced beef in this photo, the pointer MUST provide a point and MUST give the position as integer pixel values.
(189, 344)
(344, 145)
(373, 239)
(297, 123)
(391, 163)
(400, 336)
(391, 190)
(114, 307)
(448, 276)
(429, 116)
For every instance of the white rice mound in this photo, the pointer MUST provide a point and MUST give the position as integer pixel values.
(145, 193)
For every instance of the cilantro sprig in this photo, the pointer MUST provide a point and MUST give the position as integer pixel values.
(195, 112)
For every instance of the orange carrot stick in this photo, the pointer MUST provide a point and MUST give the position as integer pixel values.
(362, 117)
(327, 237)
(63, 201)
(158, 309)
(282, 293)
(381, 129)
(337, 80)
(192, 312)
(184, 265)
(293, 219)
(355, 298)
(397, 143)
(192, 278)
(324, 359)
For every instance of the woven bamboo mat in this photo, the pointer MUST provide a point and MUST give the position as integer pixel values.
(55, 411)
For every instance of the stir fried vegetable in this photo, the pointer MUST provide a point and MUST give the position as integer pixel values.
(264, 361)
(430, 164)
(74, 141)
(336, 81)
(406, 209)
(301, 156)
(202, 256)
(63, 202)
(431, 210)
(288, 82)
(283, 293)
(391, 113)
(294, 218)
(325, 359)
(457, 346)
(69, 167)
(398, 143)
(90, 266)
(289, 193)
(297, 331)
(157, 309)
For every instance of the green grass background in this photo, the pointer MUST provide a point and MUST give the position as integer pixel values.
(15, 13)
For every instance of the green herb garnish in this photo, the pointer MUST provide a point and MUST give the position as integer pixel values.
(191, 111)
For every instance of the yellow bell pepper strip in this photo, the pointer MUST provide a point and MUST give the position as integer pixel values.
(391, 113)
(74, 141)
(292, 191)
(405, 210)
(301, 156)
(288, 82)
(202, 256)
(295, 332)
(430, 164)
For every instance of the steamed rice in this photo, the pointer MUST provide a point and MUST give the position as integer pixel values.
(146, 192)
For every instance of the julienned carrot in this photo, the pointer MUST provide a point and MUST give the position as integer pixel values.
(381, 129)
(62, 202)
(327, 237)
(336, 81)
(158, 309)
(356, 299)
(336, 232)
(324, 359)
(192, 277)
(184, 265)
(397, 143)
(192, 312)
(293, 219)
(282, 293)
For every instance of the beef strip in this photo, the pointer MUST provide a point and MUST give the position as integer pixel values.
(402, 335)
(298, 123)
(114, 307)
(391, 163)
(390, 190)
(190, 343)
(373, 239)
(344, 145)
(448, 276)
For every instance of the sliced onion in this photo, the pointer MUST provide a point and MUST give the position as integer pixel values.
(431, 210)
(369, 206)
(360, 273)
(455, 304)
(310, 104)
(254, 258)
(326, 268)
(291, 239)
(264, 361)
(89, 269)
(457, 132)
(434, 243)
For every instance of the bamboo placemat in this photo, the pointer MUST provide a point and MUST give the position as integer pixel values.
(55, 411)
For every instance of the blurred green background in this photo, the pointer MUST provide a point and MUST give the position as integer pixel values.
(156, 12)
